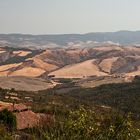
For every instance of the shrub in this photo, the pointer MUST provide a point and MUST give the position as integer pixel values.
(8, 119)
(84, 124)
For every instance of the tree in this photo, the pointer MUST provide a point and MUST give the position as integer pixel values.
(8, 119)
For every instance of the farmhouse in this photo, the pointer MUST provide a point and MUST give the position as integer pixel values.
(25, 118)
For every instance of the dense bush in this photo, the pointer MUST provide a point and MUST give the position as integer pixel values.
(8, 119)
(87, 125)
(4, 134)
(88, 122)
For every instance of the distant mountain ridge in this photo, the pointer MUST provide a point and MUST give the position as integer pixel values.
(62, 40)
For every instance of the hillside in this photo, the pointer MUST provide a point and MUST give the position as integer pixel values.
(79, 70)
(71, 62)
(109, 112)
(117, 64)
(108, 60)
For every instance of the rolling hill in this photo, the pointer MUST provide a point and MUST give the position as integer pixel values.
(71, 62)
(105, 60)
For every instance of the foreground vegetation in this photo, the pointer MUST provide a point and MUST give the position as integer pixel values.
(81, 124)
(108, 112)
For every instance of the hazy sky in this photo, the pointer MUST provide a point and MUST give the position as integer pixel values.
(68, 16)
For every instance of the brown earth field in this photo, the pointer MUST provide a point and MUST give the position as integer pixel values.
(104, 60)
(71, 62)
(24, 83)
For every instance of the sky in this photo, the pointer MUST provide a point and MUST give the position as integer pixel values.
(68, 16)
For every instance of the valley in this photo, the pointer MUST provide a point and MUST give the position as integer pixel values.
(69, 63)
(69, 70)
(48, 91)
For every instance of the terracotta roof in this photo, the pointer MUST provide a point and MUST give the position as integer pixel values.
(9, 106)
(4, 105)
(20, 107)
(26, 119)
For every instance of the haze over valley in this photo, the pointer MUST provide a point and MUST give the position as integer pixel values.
(92, 39)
